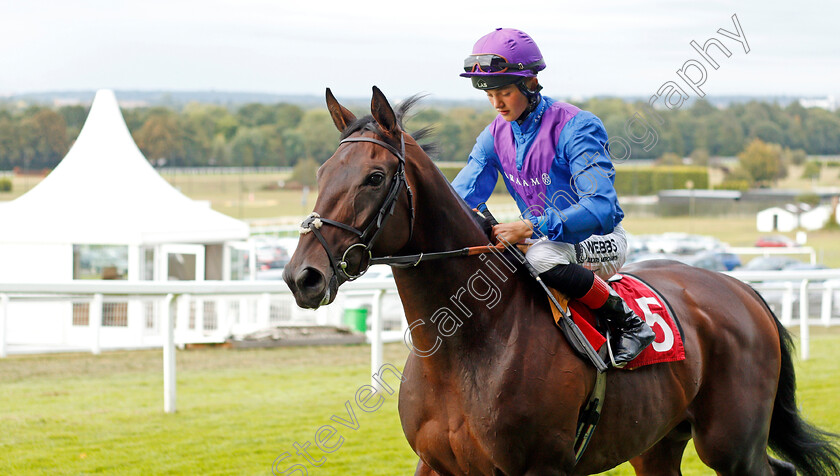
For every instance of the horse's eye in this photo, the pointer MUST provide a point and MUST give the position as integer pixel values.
(375, 179)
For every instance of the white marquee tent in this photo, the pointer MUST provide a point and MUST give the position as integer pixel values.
(104, 192)
(105, 213)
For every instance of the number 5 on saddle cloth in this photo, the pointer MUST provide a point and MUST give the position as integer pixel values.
(644, 301)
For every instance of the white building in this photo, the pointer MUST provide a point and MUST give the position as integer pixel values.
(105, 213)
(816, 218)
(791, 217)
(836, 213)
(777, 219)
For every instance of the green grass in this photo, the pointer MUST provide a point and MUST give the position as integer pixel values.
(238, 410)
(245, 196)
(829, 177)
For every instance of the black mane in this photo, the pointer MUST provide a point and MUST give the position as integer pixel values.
(367, 123)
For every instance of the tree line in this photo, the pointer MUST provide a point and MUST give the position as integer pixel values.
(37, 137)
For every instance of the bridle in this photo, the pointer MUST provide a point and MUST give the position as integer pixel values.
(368, 236)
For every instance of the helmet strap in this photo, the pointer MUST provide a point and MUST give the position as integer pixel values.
(533, 97)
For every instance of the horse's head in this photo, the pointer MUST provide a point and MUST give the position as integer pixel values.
(364, 204)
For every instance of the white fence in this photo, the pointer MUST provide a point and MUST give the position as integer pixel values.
(111, 315)
(773, 251)
(191, 312)
(785, 284)
(175, 312)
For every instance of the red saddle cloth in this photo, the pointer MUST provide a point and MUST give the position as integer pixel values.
(647, 304)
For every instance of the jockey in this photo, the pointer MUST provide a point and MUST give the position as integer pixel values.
(555, 162)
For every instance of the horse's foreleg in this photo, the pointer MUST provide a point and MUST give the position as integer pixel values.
(663, 459)
(424, 470)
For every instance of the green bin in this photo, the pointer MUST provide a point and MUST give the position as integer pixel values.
(356, 319)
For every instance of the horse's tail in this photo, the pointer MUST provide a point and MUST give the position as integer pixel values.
(812, 450)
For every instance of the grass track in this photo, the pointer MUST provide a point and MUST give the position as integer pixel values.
(238, 410)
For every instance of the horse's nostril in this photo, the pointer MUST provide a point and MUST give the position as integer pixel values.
(310, 278)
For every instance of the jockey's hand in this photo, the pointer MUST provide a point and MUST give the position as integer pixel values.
(513, 232)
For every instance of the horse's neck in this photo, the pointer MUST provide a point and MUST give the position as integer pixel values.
(465, 295)
(443, 221)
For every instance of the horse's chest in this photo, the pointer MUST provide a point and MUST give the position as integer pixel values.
(466, 431)
(456, 435)
(497, 419)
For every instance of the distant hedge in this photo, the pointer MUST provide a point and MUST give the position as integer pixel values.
(451, 172)
(650, 180)
(738, 185)
(634, 180)
(5, 184)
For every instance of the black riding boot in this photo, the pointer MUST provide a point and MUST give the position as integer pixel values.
(632, 334)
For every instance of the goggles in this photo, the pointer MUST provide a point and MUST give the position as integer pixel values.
(492, 63)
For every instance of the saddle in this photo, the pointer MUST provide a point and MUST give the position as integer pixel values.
(647, 303)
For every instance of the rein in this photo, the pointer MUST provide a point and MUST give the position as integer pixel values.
(314, 222)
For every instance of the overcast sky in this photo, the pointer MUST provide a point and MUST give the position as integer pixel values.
(301, 47)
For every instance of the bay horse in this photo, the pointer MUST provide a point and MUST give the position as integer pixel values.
(502, 390)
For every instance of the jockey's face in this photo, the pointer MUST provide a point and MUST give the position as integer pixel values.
(508, 101)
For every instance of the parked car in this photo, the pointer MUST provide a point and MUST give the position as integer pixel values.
(289, 244)
(636, 244)
(775, 241)
(680, 243)
(639, 257)
(770, 263)
(271, 254)
(714, 260)
(730, 260)
(804, 266)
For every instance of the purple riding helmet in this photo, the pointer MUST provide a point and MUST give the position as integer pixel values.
(501, 57)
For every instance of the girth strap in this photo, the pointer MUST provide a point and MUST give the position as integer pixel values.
(590, 415)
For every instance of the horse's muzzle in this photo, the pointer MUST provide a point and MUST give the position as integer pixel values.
(309, 286)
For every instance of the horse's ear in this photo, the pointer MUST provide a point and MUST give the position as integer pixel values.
(340, 115)
(383, 114)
